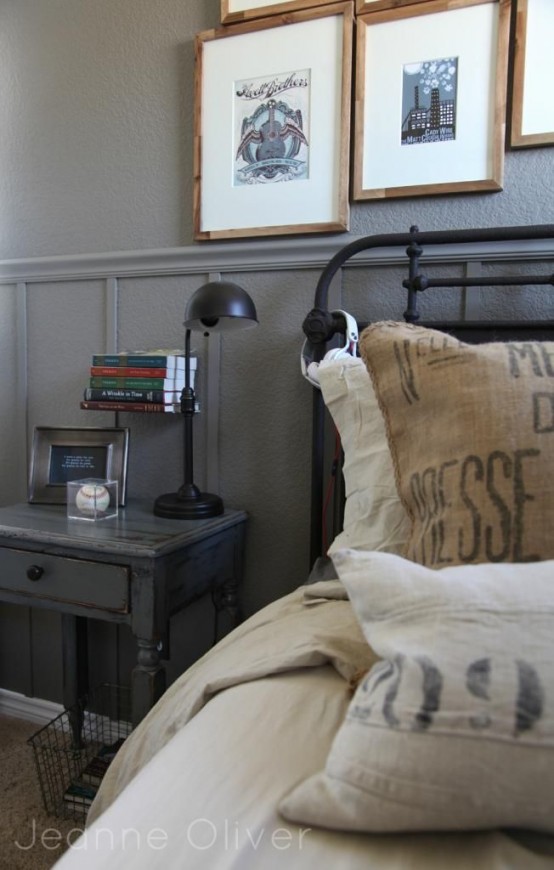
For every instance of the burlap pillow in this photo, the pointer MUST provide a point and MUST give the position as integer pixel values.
(471, 432)
(454, 728)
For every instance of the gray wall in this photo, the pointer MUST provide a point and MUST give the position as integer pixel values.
(96, 101)
(97, 124)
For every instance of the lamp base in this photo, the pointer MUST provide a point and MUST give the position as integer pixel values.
(191, 506)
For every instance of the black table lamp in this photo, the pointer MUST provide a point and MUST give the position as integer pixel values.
(218, 306)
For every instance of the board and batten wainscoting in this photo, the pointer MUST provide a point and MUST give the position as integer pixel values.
(252, 433)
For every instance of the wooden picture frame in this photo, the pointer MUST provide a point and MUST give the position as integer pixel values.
(440, 68)
(365, 6)
(65, 453)
(532, 115)
(234, 11)
(272, 125)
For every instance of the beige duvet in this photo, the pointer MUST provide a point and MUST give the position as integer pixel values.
(199, 781)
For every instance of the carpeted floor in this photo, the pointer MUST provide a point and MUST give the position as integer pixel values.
(29, 838)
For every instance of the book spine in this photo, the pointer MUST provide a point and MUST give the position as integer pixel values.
(141, 360)
(80, 793)
(147, 407)
(91, 779)
(163, 397)
(110, 750)
(137, 383)
(130, 372)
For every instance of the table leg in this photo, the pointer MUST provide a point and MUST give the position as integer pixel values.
(148, 679)
(225, 599)
(74, 670)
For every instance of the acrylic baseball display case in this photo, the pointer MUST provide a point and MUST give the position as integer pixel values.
(91, 499)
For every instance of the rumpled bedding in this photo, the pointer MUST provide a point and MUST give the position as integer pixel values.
(292, 632)
(198, 783)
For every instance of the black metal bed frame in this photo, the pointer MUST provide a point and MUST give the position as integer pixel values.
(320, 325)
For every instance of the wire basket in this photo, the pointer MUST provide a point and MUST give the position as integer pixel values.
(75, 749)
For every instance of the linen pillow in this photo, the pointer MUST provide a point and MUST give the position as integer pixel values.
(374, 517)
(454, 728)
(471, 432)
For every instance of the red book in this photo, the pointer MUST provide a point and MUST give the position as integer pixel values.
(134, 372)
(147, 407)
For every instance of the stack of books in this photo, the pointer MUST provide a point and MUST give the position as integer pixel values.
(81, 792)
(150, 381)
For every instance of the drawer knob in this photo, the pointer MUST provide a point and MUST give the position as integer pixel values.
(35, 572)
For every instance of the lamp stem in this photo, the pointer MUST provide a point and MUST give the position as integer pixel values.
(187, 409)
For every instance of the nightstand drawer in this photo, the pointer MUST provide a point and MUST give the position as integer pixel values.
(59, 578)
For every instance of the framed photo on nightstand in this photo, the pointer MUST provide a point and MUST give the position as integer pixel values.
(63, 454)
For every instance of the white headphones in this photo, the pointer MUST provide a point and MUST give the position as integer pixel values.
(309, 367)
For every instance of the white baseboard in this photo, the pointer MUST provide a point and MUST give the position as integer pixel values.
(32, 709)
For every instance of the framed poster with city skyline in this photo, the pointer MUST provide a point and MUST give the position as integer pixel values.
(272, 134)
(532, 118)
(430, 99)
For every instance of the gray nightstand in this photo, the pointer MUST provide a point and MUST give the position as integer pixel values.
(137, 569)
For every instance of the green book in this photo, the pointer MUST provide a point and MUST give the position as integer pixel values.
(137, 383)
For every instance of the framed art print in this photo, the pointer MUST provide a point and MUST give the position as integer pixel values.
(61, 455)
(272, 125)
(431, 99)
(532, 119)
(363, 6)
(241, 10)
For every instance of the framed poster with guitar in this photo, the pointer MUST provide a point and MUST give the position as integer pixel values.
(272, 110)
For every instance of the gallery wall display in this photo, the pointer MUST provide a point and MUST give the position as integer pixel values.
(233, 11)
(430, 103)
(532, 119)
(272, 116)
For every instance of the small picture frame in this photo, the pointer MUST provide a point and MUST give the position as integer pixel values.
(272, 125)
(233, 11)
(532, 116)
(60, 455)
(430, 105)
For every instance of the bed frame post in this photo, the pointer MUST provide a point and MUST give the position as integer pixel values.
(414, 252)
(318, 448)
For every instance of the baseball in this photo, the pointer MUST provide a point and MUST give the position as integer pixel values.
(92, 498)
